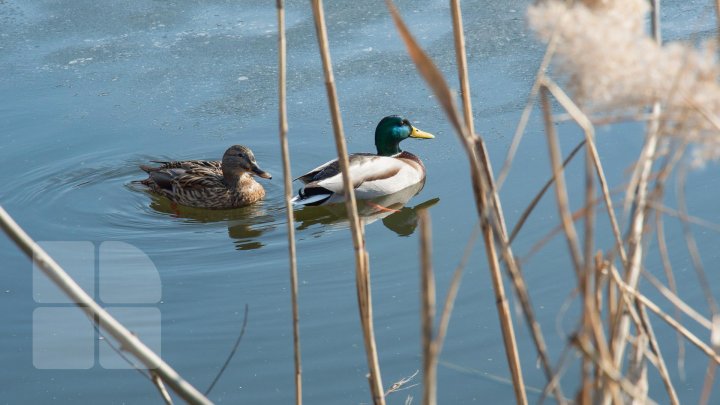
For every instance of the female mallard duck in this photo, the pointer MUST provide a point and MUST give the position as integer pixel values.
(209, 184)
(388, 172)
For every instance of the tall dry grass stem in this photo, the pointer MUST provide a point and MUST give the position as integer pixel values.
(490, 224)
(287, 178)
(480, 186)
(560, 188)
(525, 116)
(453, 291)
(164, 394)
(461, 60)
(661, 366)
(534, 202)
(588, 278)
(362, 264)
(678, 303)
(702, 280)
(588, 128)
(692, 245)
(427, 310)
(127, 340)
(633, 263)
(232, 352)
(672, 322)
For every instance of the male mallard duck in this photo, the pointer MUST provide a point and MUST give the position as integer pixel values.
(207, 183)
(388, 172)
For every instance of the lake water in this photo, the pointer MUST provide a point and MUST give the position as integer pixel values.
(92, 89)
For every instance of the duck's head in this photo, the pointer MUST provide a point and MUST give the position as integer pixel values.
(392, 130)
(239, 159)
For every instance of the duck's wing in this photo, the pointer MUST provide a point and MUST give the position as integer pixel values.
(371, 176)
(327, 169)
(172, 179)
(184, 164)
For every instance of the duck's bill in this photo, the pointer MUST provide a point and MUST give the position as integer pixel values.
(260, 173)
(416, 133)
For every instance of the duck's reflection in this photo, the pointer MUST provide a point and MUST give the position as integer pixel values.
(246, 225)
(390, 209)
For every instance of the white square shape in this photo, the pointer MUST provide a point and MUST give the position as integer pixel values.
(63, 339)
(145, 323)
(127, 275)
(77, 258)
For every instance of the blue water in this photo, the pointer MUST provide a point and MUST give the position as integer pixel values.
(91, 89)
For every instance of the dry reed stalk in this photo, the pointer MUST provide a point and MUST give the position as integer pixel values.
(582, 270)
(560, 188)
(593, 157)
(525, 116)
(633, 264)
(692, 246)
(432, 346)
(400, 384)
(461, 60)
(232, 352)
(366, 316)
(612, 373)
(127, 340)
(605, 120)
(686, 217)
(482, 154)
(691, 337)
(529, 209)
(678, 303)
(588, 273)
(708, 383)
(537, 246)
(487, 171)
(702, 278)
(656, 205)
(427, 310)
(584, 122)
(558, 373)
(641, 181)
(362, 265)
(480, 185)
(452, 292)
(717, 17)
(491, 225)
(662, 368)
(287, 177)
(161, 388)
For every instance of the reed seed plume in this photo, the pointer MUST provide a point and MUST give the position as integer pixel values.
(613, 65)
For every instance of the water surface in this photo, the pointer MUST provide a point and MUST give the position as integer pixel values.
(91, 90)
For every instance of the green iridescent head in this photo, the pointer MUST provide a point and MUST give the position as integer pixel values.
(392, 130)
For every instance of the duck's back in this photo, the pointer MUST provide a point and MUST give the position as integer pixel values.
(200, 184)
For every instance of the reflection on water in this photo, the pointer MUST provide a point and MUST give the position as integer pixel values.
(390, 208)
(404, 221)
(246, 225)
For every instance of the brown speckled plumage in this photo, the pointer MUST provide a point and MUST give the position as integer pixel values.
(209, 184)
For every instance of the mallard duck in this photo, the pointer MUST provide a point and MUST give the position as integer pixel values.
(389, 171)
(209, 184)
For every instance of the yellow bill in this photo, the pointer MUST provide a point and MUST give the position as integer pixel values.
(416, 133)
